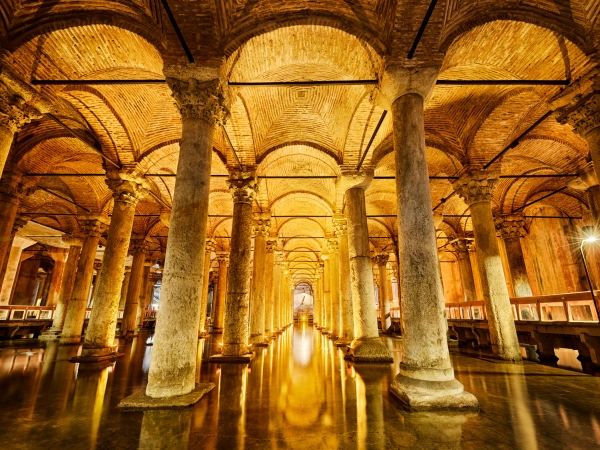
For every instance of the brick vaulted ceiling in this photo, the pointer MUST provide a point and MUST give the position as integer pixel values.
(299, 130)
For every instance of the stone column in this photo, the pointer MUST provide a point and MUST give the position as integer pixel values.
(12, 191)
(321, 310)
(16, 110)
(262, 225)
(276, 292)
(317, 298)
(511, 229)
(476, 189)
(219, 308)
(269, 290)
(98, 271)
(128, 324)
(143, 297)
(381, 259)
(243, 187)
(66, 287)
(12, 267)
(100, 334)
(326, 294)
(173, 364)
(426, 379)
(334, 283)
(346, 334)
(463, 247)
(59, 255)
(366, 346)
(93, 227)
(125, 288)
(290, 307)
(208, 249)
(283, 295)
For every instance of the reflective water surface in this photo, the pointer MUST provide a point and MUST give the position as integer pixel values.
(297, 394)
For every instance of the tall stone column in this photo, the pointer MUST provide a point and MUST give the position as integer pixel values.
(17, 109)
(322, 304)
(243, 187)
(59, 255)
(138, 249)
(100, 334)
(346, 334)
(12, 267)
(463, 248)
(381, 260)
(316, 298)
(66, 287)
(326, 294)
(366, 346)
(143, 297)
(283, 294)
(92, 227)
(476, 188)
(125, 288)
(12, 191)
(276, 292)
(219, 308)
(512, 229)
(208, 249)
(290, 308)
(95, 280)
(261, 229)
(173, 364)
(426, 379)
(269, 289)
(334, 283)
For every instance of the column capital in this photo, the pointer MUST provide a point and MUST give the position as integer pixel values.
(332, 245)
(510, 226)
(126, 187)
(210, 245)
(223, 257)
(94, 226)
(138, 246)
(97, 264)
(462, 245)
(340, 225)
(586, 178)
(272, 245)
(381, 259)
(19, 223)
(352, 178)
(397, 81)
(155, 277)
(476, 186)
(583, 113)
(243, 186)
(72, 240)
(199, 98)
(15, 110)
(261, 225)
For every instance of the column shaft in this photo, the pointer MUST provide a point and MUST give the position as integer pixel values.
(124, 289)
(12, 268)
(221, 292)
(516, 264)
(68, 282)
(466, 275)
(326, 295)
(257, 316)
(136, 276)
(276, 294)
(210, 246)
(269, 291)
(384, 292)
(347, 319)
(334, 273)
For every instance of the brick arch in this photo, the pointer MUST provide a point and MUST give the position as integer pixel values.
(490, 11)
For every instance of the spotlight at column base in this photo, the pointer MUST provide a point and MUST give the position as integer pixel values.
(92, 355)
(222, 359)
(421, 395)
(141, 401)
(369, 350)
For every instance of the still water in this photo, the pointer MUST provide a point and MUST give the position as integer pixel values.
(297, 394)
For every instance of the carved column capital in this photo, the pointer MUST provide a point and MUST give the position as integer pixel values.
(19, 223)
(138, 246)
(510, 226)
(261, 225)
(271, 245)
(198, 99)
(397, 81)
(583, 113)
(155, 277)
(332, 245)
(126, 188)
(243, 186)
(94, 226)
(340, 225)
(223, 257)
(15, 111)
(72, 240)
(381, 259)
(462, 245)
(476, 186)
(210, 245)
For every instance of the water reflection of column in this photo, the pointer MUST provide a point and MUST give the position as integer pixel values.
(232, 406)
(520, 418)
(166, 428)
(87, 405)
(369, 405)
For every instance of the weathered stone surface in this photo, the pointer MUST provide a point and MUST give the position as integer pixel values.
(141, 401)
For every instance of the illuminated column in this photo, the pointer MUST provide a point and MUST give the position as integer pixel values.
(334, 283)
(261, 228)
(366, 346)
(125, 288)
(512, 229)
(97, 271)
(426, 379)
(326, 294)
(346, 334)
(219, 308)
(138, 250)
(276, 292)
(59, 255)
(243, 188)
(381, 259)
(92, 227)
(12, 191)
(201, 102)
(463, 248)
(475, 188)
(322, 304)
(269, 289)
(12, 267)
(317, 298)
(208, 249)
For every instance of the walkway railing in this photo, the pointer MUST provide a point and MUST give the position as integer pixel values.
(577, 307)
(24, 312)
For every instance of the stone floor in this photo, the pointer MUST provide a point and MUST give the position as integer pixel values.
(297, 394)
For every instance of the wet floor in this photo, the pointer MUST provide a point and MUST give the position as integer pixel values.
(297, 394)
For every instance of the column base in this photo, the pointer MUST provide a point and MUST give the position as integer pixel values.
(140, 401)
(333, 337)
(421, 395)
(258, 340)
(69, 340)
(93, 355)
(243, 359)
(369, 350)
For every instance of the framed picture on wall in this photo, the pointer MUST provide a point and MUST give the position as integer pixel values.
(4, 314)
(46, 315)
